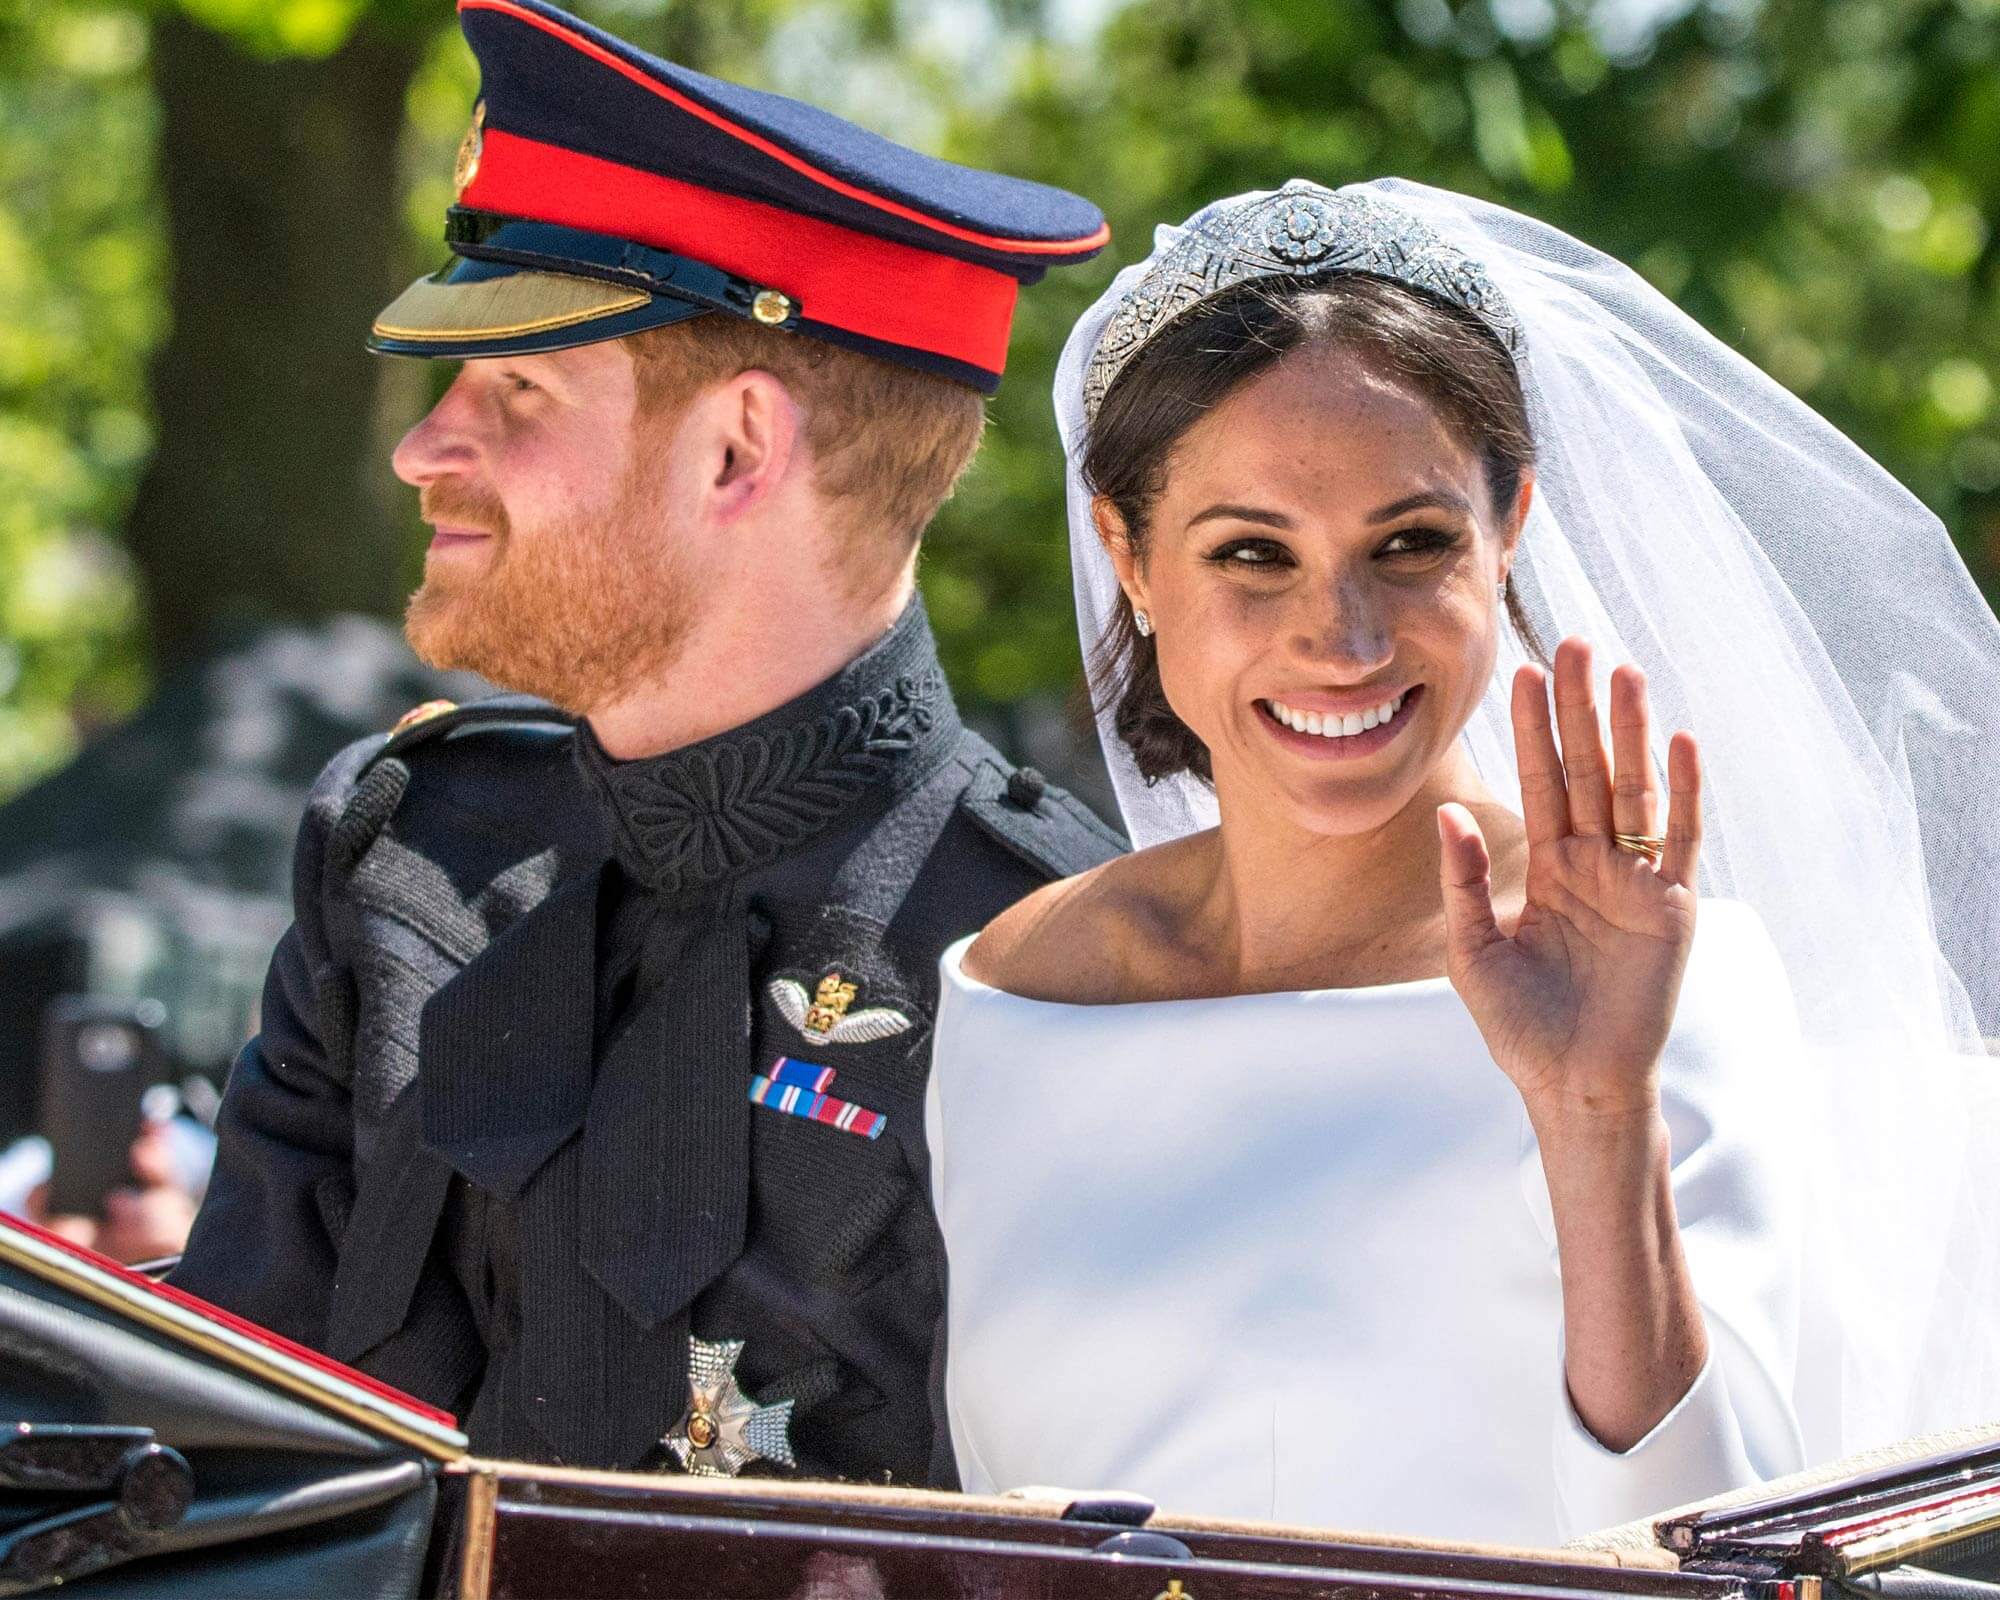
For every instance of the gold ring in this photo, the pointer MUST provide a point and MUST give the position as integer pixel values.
(1649, 845)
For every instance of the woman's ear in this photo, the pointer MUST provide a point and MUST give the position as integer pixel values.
(1117, 542)
(1510, 535)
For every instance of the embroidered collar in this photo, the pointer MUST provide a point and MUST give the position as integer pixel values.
(743, 799)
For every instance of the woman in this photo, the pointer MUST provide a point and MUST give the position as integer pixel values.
(1394, 1153)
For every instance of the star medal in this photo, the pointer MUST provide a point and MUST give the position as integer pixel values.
(823, 1016)
(723, 1430)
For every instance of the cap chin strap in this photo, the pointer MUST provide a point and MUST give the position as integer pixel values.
(551, 247)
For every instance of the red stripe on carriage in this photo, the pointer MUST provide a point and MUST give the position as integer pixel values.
(229, 1319)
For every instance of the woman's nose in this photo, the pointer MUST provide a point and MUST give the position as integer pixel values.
(1344, 630)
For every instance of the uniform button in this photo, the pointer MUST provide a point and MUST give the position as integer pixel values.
(1025, 787)
(417, 716)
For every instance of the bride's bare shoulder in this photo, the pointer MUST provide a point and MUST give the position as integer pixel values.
(1085, 940)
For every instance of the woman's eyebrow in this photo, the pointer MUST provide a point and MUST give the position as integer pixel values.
(1236, 513)
(1427, 500)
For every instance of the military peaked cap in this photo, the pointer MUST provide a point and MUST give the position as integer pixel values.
(602, 190)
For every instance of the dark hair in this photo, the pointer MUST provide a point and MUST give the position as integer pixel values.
(1445, 354)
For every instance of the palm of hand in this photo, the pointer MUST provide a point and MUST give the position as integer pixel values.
(1575, 1006)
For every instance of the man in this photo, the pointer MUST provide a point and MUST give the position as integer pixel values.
(589, 1097)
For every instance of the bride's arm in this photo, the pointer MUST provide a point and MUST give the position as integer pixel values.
(1729, 1090)
(1633, 1333)
(1576, 1006)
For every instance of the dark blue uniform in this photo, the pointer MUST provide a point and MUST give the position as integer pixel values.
(495, 1143)
(539, 1125)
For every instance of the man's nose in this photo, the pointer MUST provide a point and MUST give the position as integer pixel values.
(442, 443)
(1343, 629)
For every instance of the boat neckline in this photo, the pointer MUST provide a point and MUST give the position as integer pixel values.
(953, 964)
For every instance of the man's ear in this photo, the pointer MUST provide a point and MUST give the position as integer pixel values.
(747, 432)
(1117, 542)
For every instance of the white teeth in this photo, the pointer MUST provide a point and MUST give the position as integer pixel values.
(1333, 724)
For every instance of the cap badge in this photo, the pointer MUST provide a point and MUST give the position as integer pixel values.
(723, 1430)
(771, 307)
(466, 167)
(824, 1017)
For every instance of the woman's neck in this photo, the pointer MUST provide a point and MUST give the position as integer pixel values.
(1283, 907)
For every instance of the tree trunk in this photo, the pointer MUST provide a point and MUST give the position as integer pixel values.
(263, 497)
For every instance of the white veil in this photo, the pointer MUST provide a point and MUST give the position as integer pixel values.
(1810, 620)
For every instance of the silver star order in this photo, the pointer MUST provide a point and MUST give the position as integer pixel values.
(723, 1430)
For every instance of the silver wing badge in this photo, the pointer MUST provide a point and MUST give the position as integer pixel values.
(824, 1018)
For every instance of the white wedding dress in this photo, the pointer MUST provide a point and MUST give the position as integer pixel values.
(1290, 1256)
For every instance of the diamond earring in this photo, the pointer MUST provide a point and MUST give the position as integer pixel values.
(1143, 623)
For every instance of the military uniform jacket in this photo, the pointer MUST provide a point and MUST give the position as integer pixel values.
(496, 1142)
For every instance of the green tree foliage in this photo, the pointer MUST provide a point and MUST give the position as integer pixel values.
(1817, 180)
(80, 306)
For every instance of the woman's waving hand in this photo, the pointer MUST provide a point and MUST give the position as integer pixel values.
(1576, 1004)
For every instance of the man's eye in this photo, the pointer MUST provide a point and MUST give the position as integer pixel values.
(1249, 553)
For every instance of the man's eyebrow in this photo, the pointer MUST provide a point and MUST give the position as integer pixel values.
(1236, 513)
(1426, 500)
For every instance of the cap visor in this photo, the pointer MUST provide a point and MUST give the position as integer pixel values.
(475, 308)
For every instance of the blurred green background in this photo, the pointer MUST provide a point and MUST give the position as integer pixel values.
(203, 201)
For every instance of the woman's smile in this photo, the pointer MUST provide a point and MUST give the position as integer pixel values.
(1335, 735)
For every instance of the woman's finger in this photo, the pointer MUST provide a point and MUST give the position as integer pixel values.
(1683, 849)
(1465, 875)
(1544, 800)
(1588, 774)
(1635, 785)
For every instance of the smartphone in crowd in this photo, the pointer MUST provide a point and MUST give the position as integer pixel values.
(99, 1057)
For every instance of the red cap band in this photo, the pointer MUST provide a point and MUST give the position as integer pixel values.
(864, 285)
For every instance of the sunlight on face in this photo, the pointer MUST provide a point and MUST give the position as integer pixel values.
(1324, 552)
(552, 569)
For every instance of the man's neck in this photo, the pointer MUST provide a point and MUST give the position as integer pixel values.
(735, 668)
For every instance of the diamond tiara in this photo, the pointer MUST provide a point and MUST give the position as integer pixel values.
(1303, 230)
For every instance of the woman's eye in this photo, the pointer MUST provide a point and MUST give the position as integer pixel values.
(1249, 553)
(1417, 541)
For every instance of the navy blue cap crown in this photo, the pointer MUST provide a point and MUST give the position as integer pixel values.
(658, 192)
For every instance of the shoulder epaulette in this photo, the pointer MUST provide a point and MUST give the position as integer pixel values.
(436, 718)
(1047, 827)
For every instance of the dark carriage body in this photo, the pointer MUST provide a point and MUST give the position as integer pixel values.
(151, 1446)
(1925, 1529)
(544, 1532)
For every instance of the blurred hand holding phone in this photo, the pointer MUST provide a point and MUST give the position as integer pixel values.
(124, 1170)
